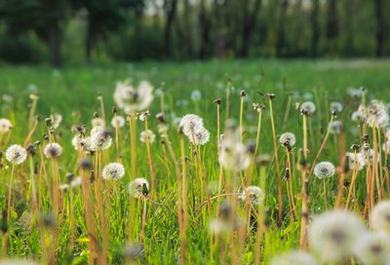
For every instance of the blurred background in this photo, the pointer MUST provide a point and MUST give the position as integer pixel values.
(59, 32)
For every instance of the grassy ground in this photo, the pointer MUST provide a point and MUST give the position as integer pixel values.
(73, 93)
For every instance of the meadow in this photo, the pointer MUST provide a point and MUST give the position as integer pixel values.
(156, 188)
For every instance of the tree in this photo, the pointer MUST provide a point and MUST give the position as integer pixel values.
(380, 28)
(315, 28)
(250, 12)
(104, 17)
(281, 29)
(45, 18)
(332, 25)
(170, 7)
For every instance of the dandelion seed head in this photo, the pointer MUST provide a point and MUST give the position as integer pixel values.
(52, 150)
(324, 169)
(139, 188)
(333, 234)
(253, 194)
(336, 106)
(113, 171)
(147, 136)
(190, 123)
(358, 116)
(196, 95)
(5, 126)
(294, 258)
(56, 120)
(356, 92)
(100, 138)
(356, 160)
(132, 99)
(200, 137)
(16, 154)
(380, 217)
(287, 139)
(373, 248)
(336, 127)
(118, 121)
(307, 108)
(98, 122)
(376, 114)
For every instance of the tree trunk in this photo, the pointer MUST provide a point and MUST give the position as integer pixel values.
(332, 26)
(249, 21)
(88, 42)
(55, 41)
(281, 34)
(205, 25)
(315, 28)
(170, 13)
(380, 28)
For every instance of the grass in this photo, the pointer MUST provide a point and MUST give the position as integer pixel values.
(73, 93)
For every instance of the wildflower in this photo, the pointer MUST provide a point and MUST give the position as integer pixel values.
(294, 258)
(253, 194)
(380, 217)
(196, 95)
(16, 154)
(52, 150)
(55, 120)
(376, 114)
(358, 116)
(287, 139)
(373, 248)
(5, 126)
(100, 138)
(200, 137)
(132, 99)
(356, 92)
(190, 124)
(139, 188)
(233, 154)
(307, 108)
(336, 127)
(324, 169)
(98, 122)
(332, 235)
(336, 106)
(113, 171)
(356, 160)
(118, 121)
(147, 136)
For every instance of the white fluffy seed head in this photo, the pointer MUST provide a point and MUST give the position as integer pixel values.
(196, 95)
(139, 188)
(52, 150)
(190, 123)
(113, 171)
(336, 106)
(118, 121)
(287, 139)
(55, 120)
(307, 108)
(200, 137)
(356, 160)
(16, 154)
(132, 99)
(253, 195)
(294, 258)
(336, 127)
(147, 136)
(5, 126)
(373, 248)
(324, 169)
(376, 114)
(333, 234)
(100, 138)
(380, 217)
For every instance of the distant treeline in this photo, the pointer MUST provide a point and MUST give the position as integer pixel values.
(34, 31)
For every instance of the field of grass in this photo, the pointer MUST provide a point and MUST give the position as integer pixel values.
(171, 224)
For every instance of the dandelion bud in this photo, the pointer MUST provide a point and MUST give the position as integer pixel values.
(271, 96)
(86, 164)
(218, 101)
(52, 150)
(160, 117)
(242, 93)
